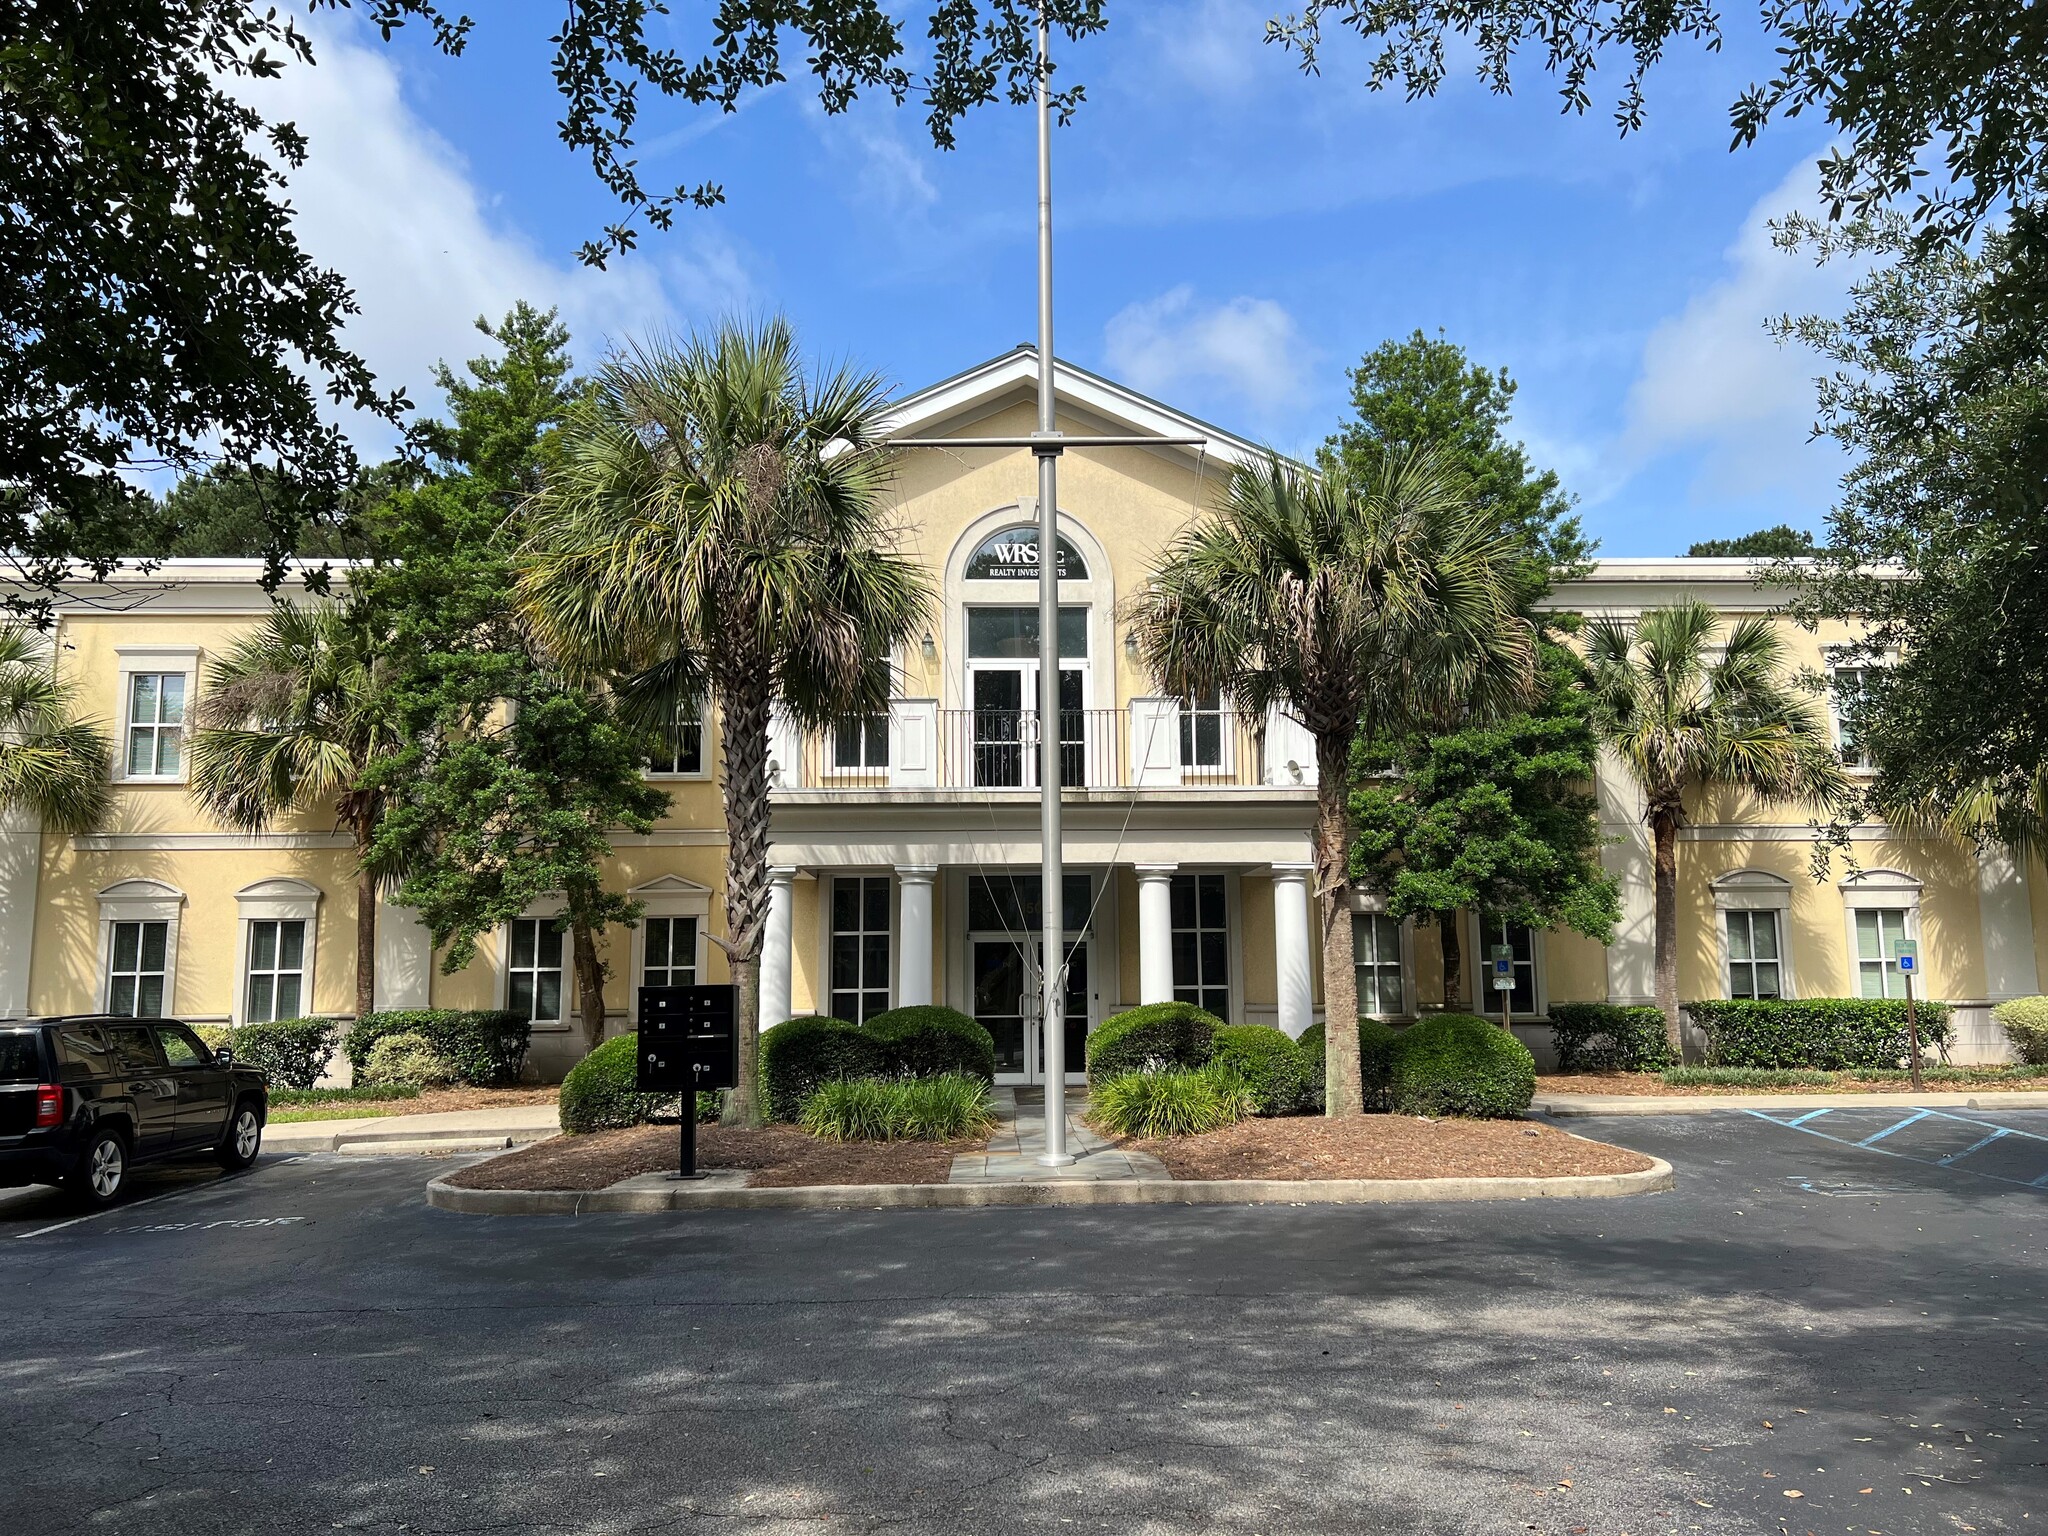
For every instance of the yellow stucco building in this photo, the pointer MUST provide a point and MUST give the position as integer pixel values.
(905, 866)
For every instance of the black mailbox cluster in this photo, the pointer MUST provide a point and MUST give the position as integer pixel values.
(689, 1038)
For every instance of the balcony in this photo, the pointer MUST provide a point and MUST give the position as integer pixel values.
(1151, 744)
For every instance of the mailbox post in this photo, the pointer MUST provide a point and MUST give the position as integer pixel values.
(1906, 954)
(689, 1041)
(1504, 983)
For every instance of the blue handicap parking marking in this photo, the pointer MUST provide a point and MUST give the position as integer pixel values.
(1938, 1138)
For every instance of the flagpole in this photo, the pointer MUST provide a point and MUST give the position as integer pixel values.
(1052, 864)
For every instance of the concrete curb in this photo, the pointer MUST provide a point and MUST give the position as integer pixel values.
(287, 1138)
(1575, 1105)
(896, 1197)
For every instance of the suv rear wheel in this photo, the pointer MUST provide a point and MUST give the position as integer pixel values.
(102, 1173)
(244, 1138)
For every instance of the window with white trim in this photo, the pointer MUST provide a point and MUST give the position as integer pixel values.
(680, 751)
(861, 743)
(137, 964)
(275, 988)
(1522, 941)
(1846, 687)
(156, 725)
(1201, 942)
(1376, 955)
(533, 971)
(1755, 954)
(1878, 931)
(1204, 732)
(860, 947)
(671, 952)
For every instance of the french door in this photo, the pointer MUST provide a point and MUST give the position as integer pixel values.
(1004, 701)
(1003, 972)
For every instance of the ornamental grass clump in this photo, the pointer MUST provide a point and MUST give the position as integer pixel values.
(1174, 1102)
(947, 1107)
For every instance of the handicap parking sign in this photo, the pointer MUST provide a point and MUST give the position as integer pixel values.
(1906, 953)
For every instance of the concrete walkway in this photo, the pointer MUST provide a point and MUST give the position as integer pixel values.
(1019, 1141)
(462, 1130)
(1707, 1103)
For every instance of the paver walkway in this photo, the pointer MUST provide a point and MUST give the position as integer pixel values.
(1019, 1140)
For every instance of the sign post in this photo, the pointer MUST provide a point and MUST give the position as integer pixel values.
(1906, 954)
(689, 1042)
(1504, 983)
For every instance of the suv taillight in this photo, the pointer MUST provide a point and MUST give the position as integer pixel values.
(49, 1106)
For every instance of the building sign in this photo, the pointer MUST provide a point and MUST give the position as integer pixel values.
(1012, 555)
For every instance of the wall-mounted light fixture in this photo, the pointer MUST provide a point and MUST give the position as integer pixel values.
(1131, 646)
(930, 647)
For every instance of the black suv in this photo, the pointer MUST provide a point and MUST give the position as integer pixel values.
(84, 1099)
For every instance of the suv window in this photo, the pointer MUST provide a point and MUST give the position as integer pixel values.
(134, 1047)
(21, 1056)
(81, 1053)
(180, 1048)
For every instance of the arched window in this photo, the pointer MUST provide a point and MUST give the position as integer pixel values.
(1012, 555)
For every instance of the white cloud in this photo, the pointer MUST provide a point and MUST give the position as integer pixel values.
(1711, 381)
(1248, 347)
(1217, 47)
(390, 205)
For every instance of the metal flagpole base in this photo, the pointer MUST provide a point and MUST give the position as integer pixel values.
(1056, 1159)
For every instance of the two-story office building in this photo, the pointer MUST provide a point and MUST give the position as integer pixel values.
(904, 846)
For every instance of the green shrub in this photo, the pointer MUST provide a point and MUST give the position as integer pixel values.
(214, 1036)
(301, 1098)
(1827, 1034)
(927, 1041)
(292, 1053)
(943, 1107)
(1375, 1064)
(1269, 1064)
(409, 1061)
(1149, 1037)
(487, 1047)
(1747, 1077)
(1174, 1101)
(1607, 1037)
(802, 1055)
(2025, 1022)
(1457, 1064)
(599, 1092)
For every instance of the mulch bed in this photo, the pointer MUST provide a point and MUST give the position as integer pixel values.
(1386, 1147)
(1650, 1085)
(778, 1156)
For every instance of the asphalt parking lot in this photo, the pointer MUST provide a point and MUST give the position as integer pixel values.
(1808, 1335)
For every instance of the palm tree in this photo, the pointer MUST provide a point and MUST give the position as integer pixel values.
(54, 767)
(294, 717)
(715, 522)
(1355, 602)
(1685, 722)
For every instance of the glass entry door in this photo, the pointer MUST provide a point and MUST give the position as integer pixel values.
(1004, 975)
(1005, 710)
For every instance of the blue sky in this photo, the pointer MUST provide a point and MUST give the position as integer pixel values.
(1231, 237)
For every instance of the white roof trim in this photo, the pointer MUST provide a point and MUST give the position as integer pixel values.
(981, 389)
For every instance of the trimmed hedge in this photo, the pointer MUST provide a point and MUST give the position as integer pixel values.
(1828, 1034)
(929, 1041)
(1151, 1036)
(598, 1094)
(1267, 1061)
(1375, 1064)
(292, 1053)
(1607, 1037)
(1458, 1064)
(407, 1061)
(2025, 1022)
(801, 1055)
(487, 1046)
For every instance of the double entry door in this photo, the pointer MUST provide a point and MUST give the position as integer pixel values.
(1005, 703)
(1003, 971)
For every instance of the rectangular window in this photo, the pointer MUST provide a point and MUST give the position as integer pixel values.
(277, 969)
(136, 963)
(1755, 965)
(1376, 952)
(671, 952)
(1011, 904)
(1203, 731)
(156, 724)
(860, 947)
(681, 749)
(1878, 931)
(1848, 686)
(862, 743)
(1517, 937)
(1012, 633)
(1201, 943)
(533, 987)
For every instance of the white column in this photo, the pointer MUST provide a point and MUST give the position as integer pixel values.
(21, 858)
(1293, 976)
(914, 935)
(1155, 932)
(775, 953)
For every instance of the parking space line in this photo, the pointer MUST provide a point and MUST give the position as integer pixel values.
(1913, 1119)
(130, 1205)
(1956, 1157)
(1809, 1115)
